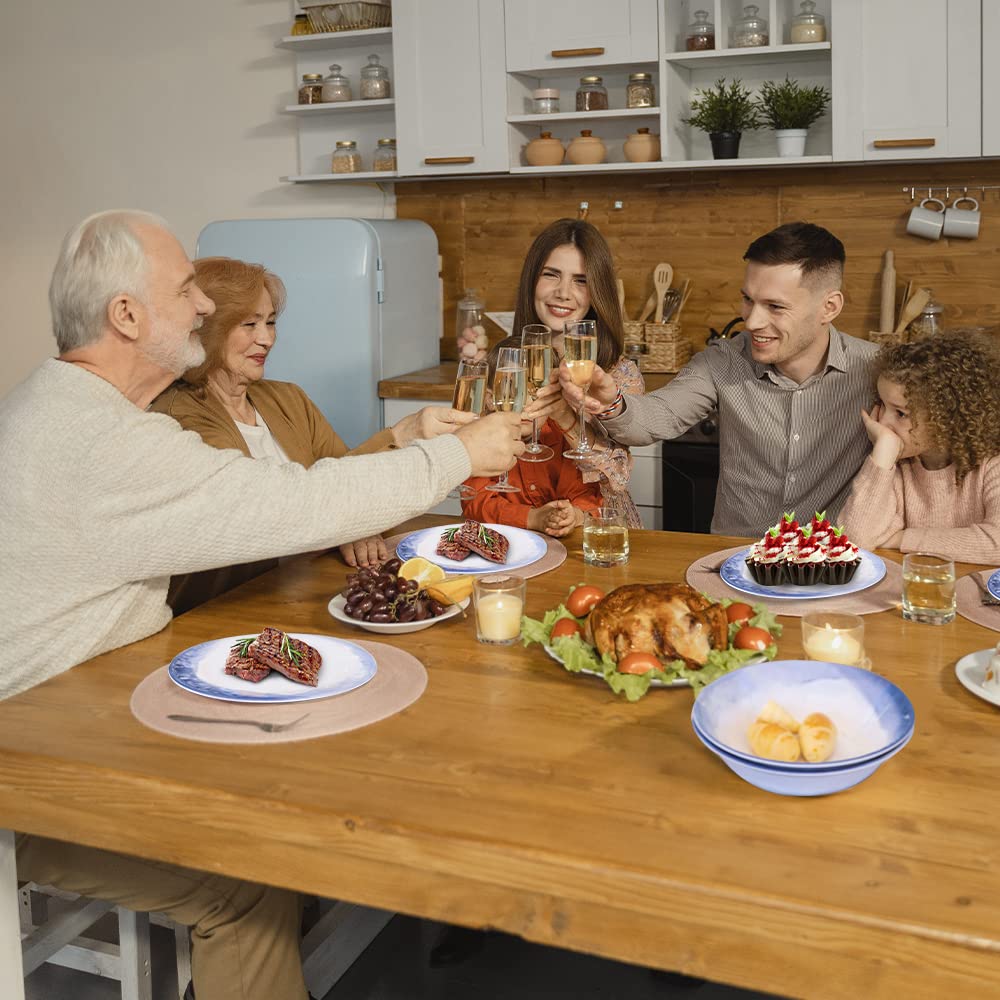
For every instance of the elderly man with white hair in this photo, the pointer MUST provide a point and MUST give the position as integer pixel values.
(103, 501)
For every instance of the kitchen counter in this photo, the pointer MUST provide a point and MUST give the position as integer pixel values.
(435, 384)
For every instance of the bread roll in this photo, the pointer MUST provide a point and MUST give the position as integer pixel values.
(817, 734)
(773, 712)
(768, 739)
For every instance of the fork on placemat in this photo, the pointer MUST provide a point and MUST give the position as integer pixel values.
(268, 727)
(986, 598)
(717, 568)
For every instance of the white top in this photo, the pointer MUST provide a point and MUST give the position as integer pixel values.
(261, 442)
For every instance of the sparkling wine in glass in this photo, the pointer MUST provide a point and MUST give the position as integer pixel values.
(536, 342)
(469, 397)
(510, 388)
(580, 355)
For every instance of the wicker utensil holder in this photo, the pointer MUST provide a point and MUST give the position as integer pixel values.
(666, 348)
(889, 337)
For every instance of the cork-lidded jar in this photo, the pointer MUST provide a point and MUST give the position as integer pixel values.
(586, 148)
(544, 151)
(641, 147)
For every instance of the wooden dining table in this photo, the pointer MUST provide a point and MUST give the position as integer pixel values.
(517, 796)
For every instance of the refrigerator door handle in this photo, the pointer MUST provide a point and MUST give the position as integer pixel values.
(379, 280)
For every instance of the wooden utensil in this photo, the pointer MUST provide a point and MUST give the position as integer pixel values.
(663, 275)
(647, 308)
(685, 295)
(888, 304)
(908, 291)
(913, 308)
(620, 285)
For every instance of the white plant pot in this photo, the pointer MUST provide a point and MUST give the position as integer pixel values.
(791, 141)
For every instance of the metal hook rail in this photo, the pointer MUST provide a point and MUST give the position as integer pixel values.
(912, 189)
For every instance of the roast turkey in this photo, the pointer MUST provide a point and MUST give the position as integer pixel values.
(670, 620)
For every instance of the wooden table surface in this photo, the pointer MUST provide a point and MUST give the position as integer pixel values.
(515, 795)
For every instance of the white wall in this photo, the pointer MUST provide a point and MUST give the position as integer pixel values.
(166, 105)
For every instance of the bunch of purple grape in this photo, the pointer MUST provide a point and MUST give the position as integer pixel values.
(379, 595)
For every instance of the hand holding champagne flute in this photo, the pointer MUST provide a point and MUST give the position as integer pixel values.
(469, 397)
(509, 394)
(580, 355)
(536, 342)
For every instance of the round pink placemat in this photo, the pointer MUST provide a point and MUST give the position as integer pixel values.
(969, 604)
(555, 555)
(884, 595)
(398, 682)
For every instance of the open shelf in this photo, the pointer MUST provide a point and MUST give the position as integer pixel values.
(584, 116)
(749, 56)
(365, 175)
(334, 39)
(313, 109)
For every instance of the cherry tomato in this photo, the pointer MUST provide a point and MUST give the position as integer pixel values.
(638, 663)
(739, 612)
(582, 600)
(750, 637)
(565, 626)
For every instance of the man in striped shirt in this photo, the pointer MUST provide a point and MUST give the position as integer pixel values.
(788, 389)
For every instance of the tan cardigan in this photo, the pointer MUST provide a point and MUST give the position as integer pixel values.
(304, 434)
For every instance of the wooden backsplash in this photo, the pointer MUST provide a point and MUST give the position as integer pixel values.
(702, 223)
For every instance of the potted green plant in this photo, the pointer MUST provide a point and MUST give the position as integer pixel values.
(725, 112)
(790, 109)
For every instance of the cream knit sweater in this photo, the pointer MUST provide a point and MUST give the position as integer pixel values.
(100, 502)
(935, 515)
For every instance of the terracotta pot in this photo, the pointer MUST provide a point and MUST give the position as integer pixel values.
(641, 147)
(586, 148)
(544, 151)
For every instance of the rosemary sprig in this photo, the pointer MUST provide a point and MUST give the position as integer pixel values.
(287, 649)
(449, 534)
(484, 537)
(243, 646)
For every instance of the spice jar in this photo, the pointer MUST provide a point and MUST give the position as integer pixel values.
(701, 33)
(639, 93)
(470, 334)
(750, 30)
(385, 155)
(591, 95)
(544, 151)
(929, 322)
(374, 80)
(545, 101)
(346, 158)
(586, 148)
(807, 25)
(336, 86)
(300, 26)
(311, 91)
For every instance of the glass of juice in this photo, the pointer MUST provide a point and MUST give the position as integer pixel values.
(605, 537)
(928, 588)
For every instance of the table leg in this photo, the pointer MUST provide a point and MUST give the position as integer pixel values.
(11, 970)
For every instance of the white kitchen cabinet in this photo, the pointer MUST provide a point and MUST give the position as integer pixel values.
(909, 76)
(991, 78)
(450, 87)
(579, 33)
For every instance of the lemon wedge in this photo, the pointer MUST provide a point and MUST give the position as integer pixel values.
(421, 570)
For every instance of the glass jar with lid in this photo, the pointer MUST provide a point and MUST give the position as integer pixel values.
(311, 91)
(346, 158)
(750, 30)
(374, 80)
(930, 322)
(336, 86)
(640, 93)
(470, 333)
(700, 33)
(385, 155)
(300, 26)
(807, 25)
(591, 95)
(545, 101)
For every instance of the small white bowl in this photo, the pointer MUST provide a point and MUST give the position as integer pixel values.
(336, 608)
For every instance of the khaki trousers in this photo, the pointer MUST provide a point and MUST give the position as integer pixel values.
(244, 937)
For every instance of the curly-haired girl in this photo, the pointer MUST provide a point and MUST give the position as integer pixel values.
(932, 481)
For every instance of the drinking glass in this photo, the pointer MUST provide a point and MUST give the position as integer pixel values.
(835, 638)
(928, 588)
(536, 342)
(509, 390)
(469, 397)
(580, 355)
(605, 537)
(499, 604)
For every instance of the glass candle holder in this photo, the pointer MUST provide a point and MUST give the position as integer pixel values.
(835, 638)
(499, 604)
(605, 537)
(928, 588)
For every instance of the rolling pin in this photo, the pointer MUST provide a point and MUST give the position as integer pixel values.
(888, 304)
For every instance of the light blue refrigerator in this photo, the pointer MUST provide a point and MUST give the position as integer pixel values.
(363, 305)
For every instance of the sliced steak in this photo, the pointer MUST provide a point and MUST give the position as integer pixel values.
(245, 667)
(486, 542)
(297, 660)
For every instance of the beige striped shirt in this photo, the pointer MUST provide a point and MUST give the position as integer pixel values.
(783, 445)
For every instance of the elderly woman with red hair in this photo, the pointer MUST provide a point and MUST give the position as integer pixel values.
(230, 404)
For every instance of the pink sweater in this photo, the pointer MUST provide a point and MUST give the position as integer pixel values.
(935, 515)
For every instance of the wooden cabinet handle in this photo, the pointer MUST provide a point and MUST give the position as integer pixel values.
(429, 160)
(904, 143)
(576, 53)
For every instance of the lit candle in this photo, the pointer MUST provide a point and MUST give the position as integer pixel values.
(833, 646)
(499, 617)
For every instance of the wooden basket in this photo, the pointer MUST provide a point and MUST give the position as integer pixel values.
(666, 348)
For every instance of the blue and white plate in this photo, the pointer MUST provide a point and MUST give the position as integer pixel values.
(526, 547)
(735, 573)
(201, 670)
(971, 671)
(993, 584)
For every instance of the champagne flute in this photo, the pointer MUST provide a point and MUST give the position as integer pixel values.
(536, 342)
(580, 355)
(469, 397)
(509, 391)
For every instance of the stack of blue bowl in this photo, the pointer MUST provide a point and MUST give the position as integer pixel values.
(755, 685)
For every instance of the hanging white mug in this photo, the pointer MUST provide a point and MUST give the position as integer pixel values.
(962, 223)
(926, 222)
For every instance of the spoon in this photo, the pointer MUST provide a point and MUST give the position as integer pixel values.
(913, 308)
(662, 276)
(621, 296)
(647, 308)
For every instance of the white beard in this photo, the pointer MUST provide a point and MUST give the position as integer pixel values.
(165, 351)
